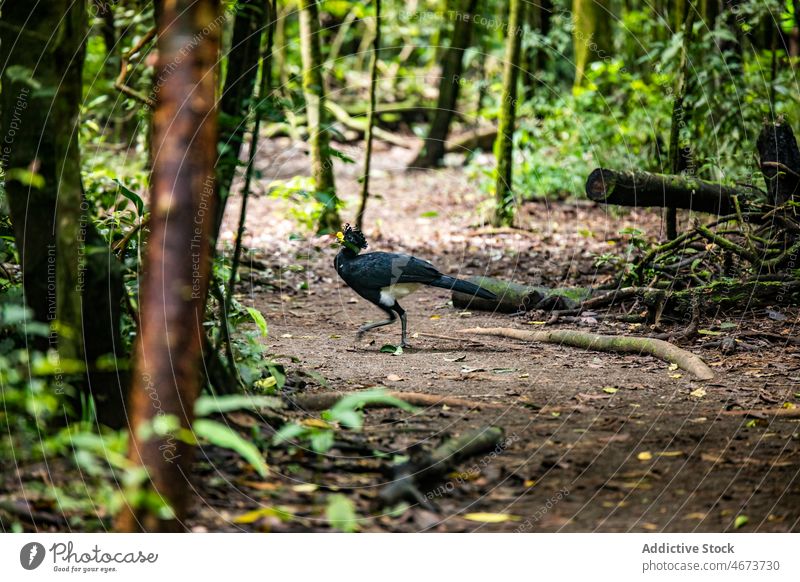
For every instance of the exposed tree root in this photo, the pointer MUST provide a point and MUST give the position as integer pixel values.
(765, 412)
(325, 400)
(607, 343)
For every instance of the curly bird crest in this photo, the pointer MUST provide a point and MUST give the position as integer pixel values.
(352, 238)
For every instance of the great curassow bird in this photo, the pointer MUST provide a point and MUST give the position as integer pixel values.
(383, 278)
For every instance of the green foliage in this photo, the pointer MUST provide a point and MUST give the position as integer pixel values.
(341, 513)
(346, 413)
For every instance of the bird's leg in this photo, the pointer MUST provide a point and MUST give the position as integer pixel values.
(368, 326)
(403, 325)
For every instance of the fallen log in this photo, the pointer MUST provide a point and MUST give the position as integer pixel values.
(607, 343)
(641, 189)
(515, 297)
(480, 139)
(427, 467)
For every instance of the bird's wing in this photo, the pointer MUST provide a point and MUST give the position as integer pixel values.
(368, 271)
(408, 269)
(381, 270)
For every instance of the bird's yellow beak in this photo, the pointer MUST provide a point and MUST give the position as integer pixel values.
(340, 236)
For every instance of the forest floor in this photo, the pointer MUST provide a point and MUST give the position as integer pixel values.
(594, 441)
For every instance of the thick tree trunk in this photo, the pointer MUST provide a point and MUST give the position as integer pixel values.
(75, 290)
(237, 94)
(591, 34)
(452, 67)
(647, 189)
(504, 146)
(166, 376)
(373, 81)
(780, 161)
(318, 139)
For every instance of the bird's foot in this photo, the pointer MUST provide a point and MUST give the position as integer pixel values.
(404, 344)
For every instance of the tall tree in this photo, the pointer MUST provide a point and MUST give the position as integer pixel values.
(678, 155)
(452, 68)
(70, 276)
(166, 364)
(264, 93)
(237, 93)
(318, 138)
(591, 34)
(504, 145)
(538, 17)
(373, 81)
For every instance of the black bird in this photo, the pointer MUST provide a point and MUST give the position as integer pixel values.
(383, 278)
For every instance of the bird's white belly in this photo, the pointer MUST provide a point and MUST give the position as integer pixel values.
(390, 295)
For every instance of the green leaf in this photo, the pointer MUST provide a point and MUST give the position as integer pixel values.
(341, 513)
(740, 521)
(342, 411)
(288, 432)
(222, 436)
(25, 177)
(132, 196)
(321, 440)
(206, 405)
(391, 349)
(259, 320)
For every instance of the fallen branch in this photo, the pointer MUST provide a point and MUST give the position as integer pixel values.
(606, 343)
(325, 400)
(425, 468)
(647, 189)
(360, 125)
(765, 412)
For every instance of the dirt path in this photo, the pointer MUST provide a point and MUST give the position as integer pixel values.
(596, 442)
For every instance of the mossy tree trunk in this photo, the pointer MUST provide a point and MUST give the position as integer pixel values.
(591, 34)
(433, 150)
(318, 139)
(678, 152)
(168, 351)
(237, 94)
(504, 146)
(373, 81)
(70, 276)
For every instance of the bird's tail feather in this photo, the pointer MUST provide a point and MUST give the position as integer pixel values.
(462, 286)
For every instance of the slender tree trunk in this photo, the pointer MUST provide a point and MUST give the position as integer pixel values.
(452, 68)
(539, 15)
(264, 93)
(591, 34)
(318, 139)
(166, 364)
(373, 81)
(504, 146)
(678, 155)
(237, 94)
(77, 291)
